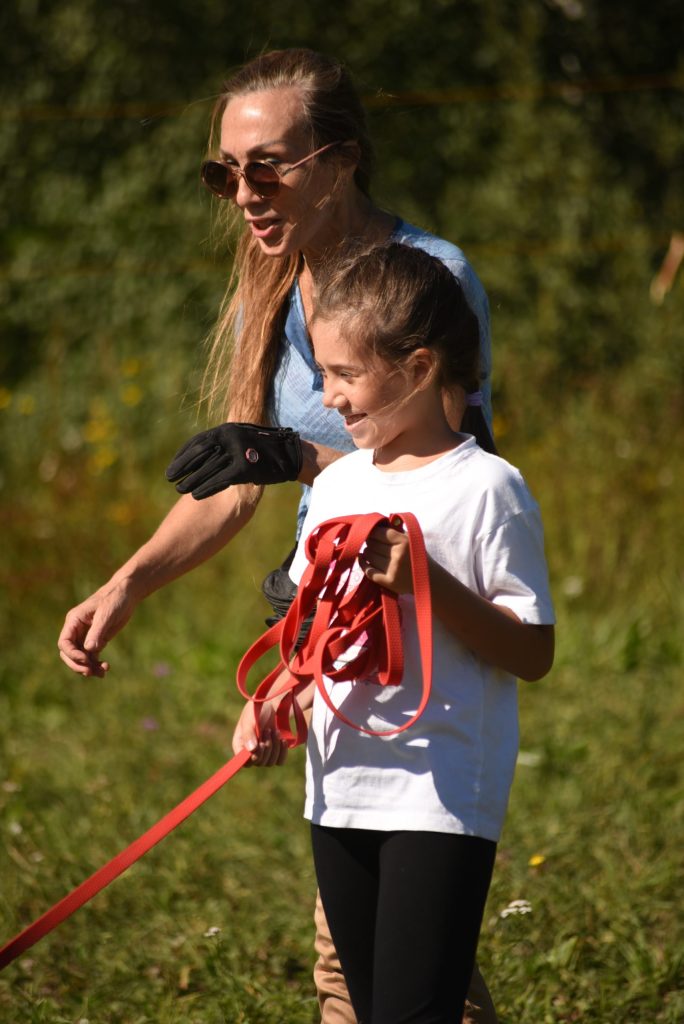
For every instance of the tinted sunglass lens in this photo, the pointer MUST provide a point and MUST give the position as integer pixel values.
(219, 179)
(262, 179)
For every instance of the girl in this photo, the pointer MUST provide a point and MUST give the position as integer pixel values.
(404, 828)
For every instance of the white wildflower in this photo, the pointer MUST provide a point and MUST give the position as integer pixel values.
(573, 586)
(517, 907)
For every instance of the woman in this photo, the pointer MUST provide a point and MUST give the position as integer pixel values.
(294, 158)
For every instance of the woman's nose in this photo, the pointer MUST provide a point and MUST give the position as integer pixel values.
(244, 195)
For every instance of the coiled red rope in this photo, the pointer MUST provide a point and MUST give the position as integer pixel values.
(342, 617)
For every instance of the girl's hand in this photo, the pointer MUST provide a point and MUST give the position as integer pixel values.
(386, 559)
(267, 752)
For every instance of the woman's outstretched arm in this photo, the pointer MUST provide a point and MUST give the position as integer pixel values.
(191, 533)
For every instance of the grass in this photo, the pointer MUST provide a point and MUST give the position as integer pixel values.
(214, 925)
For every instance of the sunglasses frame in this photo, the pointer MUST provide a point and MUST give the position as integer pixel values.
(235, 173)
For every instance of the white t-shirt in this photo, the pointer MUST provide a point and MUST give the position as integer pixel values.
(452, 770)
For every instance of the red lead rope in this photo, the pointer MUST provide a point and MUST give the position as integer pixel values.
(102, 877)
(366, 612)
(339, 621)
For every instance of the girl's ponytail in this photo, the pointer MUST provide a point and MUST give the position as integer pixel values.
(474, 423)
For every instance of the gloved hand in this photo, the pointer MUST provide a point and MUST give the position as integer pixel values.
(235, 453)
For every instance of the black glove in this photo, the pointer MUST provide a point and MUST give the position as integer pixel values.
(235, 453)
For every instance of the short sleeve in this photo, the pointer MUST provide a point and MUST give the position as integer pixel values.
(511, 568)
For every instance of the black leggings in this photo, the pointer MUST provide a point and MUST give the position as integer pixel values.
(404, 910)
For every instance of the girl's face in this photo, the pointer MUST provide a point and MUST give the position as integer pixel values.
(271, 126)
(392, 410)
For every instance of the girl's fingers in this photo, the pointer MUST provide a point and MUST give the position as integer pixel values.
(270, 752)
(380, 555)
(376, 563)
(388, 564)
(278, 752)
(385, 535)
(381, 550)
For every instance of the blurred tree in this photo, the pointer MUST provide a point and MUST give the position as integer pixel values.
(545, 137)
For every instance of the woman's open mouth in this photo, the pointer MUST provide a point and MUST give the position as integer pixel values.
(265, 228)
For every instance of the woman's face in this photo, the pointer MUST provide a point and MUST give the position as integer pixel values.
(271, 126)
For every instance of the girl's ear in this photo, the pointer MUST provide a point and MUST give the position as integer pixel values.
(454, 402)
(422, 368)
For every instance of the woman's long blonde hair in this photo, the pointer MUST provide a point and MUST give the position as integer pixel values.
(244, 343)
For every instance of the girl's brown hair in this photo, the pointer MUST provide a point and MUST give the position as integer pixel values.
(404, 299)
(236, 383)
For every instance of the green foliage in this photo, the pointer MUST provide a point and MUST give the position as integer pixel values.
(547, 139)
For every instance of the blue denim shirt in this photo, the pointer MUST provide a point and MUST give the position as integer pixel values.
(297, 389)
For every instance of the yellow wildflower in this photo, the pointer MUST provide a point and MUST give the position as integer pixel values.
(536, 860)
(102, 458)
(26, 405)
(131, 367)
(98, 429)
(121, 512)
(131, 394)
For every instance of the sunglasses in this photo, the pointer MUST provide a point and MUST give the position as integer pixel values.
(262, 178)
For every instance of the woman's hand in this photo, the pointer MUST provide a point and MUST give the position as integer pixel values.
(386, 559)
(188, 536)
(235, 453)
(90, 626)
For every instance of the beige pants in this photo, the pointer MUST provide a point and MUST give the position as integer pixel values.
(334, 999)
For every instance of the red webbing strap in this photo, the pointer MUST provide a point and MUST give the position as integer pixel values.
(86, 890)
(342, 617)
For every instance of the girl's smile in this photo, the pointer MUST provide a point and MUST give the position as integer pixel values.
(350, 421)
